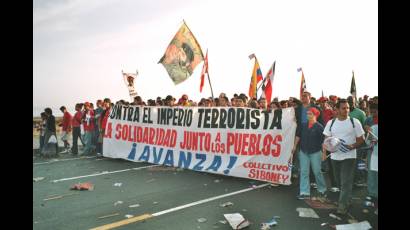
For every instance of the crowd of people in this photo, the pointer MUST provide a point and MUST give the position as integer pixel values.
(354, 123)
(87, 125)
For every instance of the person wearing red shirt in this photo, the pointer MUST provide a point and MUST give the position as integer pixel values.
(102, 123)
(76, 124)
(66, 126)
(88, 123)
(326, 110)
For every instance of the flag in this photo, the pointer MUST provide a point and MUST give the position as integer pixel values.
(129, 82)
(302, 83)
(267, 90)
(353, 91)
(256, 77)
(183, 54)
(204, 70)
(353, 86)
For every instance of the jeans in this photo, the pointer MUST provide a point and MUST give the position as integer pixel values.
(76, 135)
(88, 139)
(360, 175)
(95, 137)
(328, 175)
(372, 180)
(305, 160)
(344, 174)
(41, 142)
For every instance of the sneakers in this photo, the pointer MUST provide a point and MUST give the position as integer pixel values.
(322, 197)
(64, 151)
(341, 211)
(334, 189)
(303, 197)
(314, 185)
(361, 184)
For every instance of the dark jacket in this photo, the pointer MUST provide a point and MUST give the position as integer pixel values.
(298, 115)
(311, 139)
(51, 123)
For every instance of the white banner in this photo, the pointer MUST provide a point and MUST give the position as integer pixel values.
(240, 142)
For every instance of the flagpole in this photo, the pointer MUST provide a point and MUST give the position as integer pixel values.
(183, 20)
(209, 80)
(212, 92)
(261, 84)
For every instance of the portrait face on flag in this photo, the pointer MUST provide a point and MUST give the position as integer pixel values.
(182, 55)
(130, 80)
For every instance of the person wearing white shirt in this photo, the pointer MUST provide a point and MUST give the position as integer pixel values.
(350, 132)
(372, 161)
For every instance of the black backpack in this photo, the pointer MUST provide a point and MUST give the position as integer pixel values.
(334, 119)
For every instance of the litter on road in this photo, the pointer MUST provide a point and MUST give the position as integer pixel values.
(269, 224)
(364, 225)
(307, 212)
(226, 204)
(201, 220)
(334, 216)
(236, 220)
(118, 202)
(83, 186)
(35, 179)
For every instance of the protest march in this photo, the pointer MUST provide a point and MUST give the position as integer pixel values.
(321, 150)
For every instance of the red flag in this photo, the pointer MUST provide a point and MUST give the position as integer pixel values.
(204, 70)
(269, 82)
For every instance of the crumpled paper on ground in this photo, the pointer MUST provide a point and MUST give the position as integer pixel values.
(83, 186)
(236, 220)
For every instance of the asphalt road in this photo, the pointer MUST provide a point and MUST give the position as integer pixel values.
(159, 188)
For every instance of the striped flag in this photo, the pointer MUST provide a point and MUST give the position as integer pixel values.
(256, 77)
(204, 71)
(267, 90)
(302, 83)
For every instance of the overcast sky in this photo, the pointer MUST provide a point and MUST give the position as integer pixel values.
(80, 47)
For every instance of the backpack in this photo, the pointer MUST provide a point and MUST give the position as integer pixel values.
(334, 119)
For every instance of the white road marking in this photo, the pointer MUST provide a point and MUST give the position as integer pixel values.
(104, 173)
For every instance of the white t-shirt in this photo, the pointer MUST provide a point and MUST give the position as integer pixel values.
(344, 130)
